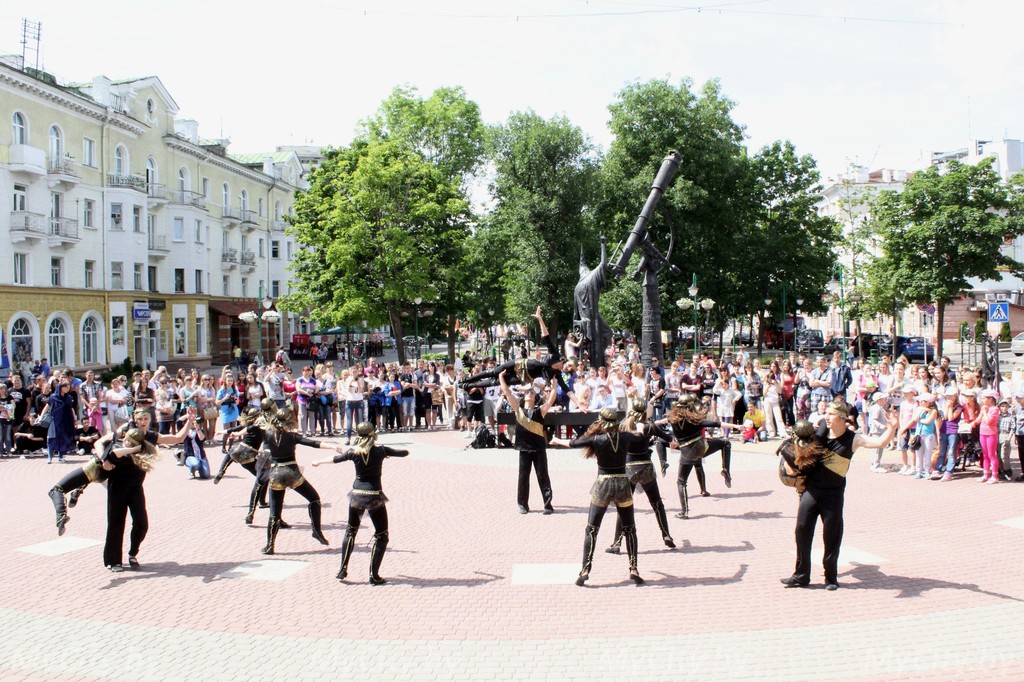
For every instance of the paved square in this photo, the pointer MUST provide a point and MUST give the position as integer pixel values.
(61, 545)
(264, 570)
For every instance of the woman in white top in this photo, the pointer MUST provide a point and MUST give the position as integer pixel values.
(617, 383)
(353, 387)
(116, 396)
(449, 392)
(772, 407)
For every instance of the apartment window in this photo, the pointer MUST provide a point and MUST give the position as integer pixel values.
(245, 287)
(137, 276)
(150, 174)
(117, 275)
(179, 280)
(223, 240)
(259, 207)
(244, 200)
(261, 247)
(152, 277)
(116, 217)
(19, 128)
(180, 340)
(199, 281)
(206, 188)
(56, 268)
(200, 336)
(20, 197)
(275, 248)
(20, 268)
(90, 340)
(275, 288)
(56, 144)
(184, 184)
(89, 152)
(226, 282)
(137, 219)
(198, 231)
(245, 243)
(120, 161)
(288, 246)
(88, 209)
(179, 229)
(58, 334)
(225, 196)
(90, 273)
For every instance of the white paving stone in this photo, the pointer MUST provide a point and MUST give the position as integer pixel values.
(62, 545)
(267, 569)
(544, 574)
(1016, 522)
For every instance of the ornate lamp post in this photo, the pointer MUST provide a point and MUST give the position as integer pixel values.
(417, 301)
(686, 303)
(267, 315)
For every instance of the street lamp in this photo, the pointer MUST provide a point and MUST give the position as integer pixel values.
(686, 303)
(417, 301)
(796, 314)
(838, 288)
(268, 315)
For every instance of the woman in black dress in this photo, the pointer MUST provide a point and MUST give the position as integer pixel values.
(640, 468)
(688, 419)
(367, 495)
(609, 445)
(281, 441)
(245, 453)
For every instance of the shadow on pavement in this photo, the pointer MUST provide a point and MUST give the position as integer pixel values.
(753, 493)
(208, 572)
(747, 546)
(413, 581)
(872, 578)
(667, 580)
(746, 516)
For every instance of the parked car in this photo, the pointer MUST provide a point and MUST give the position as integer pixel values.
(914, 347)
(810, 341)
(742, 339)
(1017, 345)
(413, 341)
(836, 343)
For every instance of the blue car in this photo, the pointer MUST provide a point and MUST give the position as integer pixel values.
(915, 348)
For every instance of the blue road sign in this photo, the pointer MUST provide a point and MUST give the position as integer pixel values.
(999, 312)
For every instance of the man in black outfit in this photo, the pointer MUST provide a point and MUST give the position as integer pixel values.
(825, 487)
(531, 441)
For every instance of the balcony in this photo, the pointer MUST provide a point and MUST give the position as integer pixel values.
(27, 226)
(63, 232)
(231, 216)
(248, 261)
(249, 220)
(278, 226)
(156, 195)
(130, 181)
(158, 246)
(26, 159)
(63, 171)
(229, 259)
(187, 198)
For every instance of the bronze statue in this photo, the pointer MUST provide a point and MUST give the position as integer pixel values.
(588, 325)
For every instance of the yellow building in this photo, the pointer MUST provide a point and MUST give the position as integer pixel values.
(130, 236)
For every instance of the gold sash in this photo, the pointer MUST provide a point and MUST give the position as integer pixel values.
(534, 427)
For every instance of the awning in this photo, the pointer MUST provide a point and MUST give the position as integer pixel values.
(336, 331)
(233, 308)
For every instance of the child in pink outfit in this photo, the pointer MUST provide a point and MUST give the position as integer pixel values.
(989, 437)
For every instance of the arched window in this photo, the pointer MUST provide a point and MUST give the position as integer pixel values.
(259, 207)
(19, 129)
(56, 144)
(150, 171)
(57, 336)
(244, 198)
(120, 161)
(183, 180)
(277, 210)
(21, 341)
(90, 341)
(226, 196)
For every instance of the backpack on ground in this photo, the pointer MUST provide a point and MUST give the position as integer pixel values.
(483, 439)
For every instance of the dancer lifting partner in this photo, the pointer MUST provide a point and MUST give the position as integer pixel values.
(604, 440)
(531, 442)
(245, 452)
(688, 419)
(367, 495)
(524, 371)
(76, 481)
(285, 473)
(640, 468)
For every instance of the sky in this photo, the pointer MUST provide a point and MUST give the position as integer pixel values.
(868, 83)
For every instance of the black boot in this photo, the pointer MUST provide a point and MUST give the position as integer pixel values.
(380, 544)
(73, 497)
(223, 469)
(702, 481)
(629, 532)
(314, 519)
(662, 517)
(346, 550)
(254, 496)
(662, 457)
(614, 547)
(684, 500)
(589, 541)
(273, 525)
(57, 497)
(726, 461)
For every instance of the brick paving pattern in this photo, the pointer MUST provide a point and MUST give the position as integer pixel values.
(936, 592)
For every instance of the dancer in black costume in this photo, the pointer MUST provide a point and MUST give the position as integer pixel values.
(367, 495)
(285, 473)
(604, 441)
(640, 468)
(688, 419)
(76, 481)
(524, 371)
(246, 452)
(531, 442)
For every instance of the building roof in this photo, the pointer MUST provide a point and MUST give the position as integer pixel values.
(256, 159)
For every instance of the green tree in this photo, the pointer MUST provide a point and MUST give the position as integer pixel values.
(545, 173)
(946, 227)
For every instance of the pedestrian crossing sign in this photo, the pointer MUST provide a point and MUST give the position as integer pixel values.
(999, 312)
